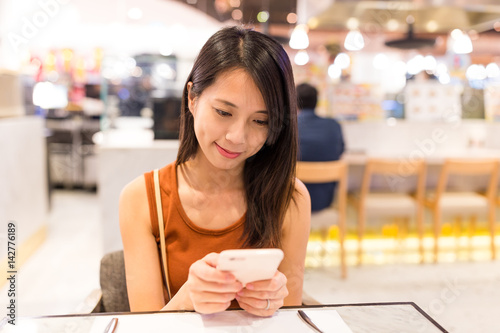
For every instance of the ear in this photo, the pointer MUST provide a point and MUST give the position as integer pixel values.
(191, 98)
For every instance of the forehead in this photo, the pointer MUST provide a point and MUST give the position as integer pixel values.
(238, 87)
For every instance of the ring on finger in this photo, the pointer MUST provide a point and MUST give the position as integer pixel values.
(268, 305)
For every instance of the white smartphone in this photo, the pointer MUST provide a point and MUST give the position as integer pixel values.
(249, 265)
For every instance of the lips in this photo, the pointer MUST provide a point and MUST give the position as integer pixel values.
(227, 153)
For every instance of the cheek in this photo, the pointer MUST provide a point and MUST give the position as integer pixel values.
(259, 137)
(198, 126)
(205, 125)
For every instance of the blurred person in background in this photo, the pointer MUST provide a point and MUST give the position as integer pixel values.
(320, 140)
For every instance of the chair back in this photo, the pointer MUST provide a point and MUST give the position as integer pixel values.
(326, 172)
(395, 171)
(113, 283)
(470, 167)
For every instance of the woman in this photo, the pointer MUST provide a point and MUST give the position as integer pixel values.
(232, 186)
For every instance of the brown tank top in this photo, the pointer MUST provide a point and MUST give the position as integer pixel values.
(185, 242)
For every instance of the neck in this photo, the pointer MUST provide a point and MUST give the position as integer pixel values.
(200, 174)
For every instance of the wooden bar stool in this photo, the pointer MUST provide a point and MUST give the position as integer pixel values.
(459, 203)
(391, 203)
(326, 172)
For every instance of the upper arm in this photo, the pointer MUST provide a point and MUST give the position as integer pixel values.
(294, 242)
(144, 280)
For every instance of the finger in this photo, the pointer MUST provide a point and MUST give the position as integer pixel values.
(258, 307)
(198, 284)
(206, 272)
(264, 294)
(211, 259)
(256, 303)
(276, 283)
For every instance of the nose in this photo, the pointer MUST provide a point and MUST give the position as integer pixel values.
(236, 133)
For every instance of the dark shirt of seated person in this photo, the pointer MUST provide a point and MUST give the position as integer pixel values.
(320, 140)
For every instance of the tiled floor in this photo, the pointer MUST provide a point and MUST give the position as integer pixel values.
(464, 297)
(65, 269)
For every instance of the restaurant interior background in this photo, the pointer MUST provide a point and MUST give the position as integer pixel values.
(90, 97)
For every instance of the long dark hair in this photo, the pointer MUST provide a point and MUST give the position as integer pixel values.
(269, 175)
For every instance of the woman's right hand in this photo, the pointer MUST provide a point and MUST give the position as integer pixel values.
(209, 289)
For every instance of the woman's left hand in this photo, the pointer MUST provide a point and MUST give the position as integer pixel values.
(263, 298)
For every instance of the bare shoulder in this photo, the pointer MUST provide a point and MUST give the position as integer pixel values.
(135, 187)
(301, 196)
(134, 202)
(294, 242)
(299, 210)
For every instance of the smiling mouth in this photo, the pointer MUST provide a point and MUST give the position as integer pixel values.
(227, 153)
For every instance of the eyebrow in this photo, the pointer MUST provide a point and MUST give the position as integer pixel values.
(234, 106)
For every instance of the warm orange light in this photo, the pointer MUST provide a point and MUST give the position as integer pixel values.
(80, 69)
(291, 18)
(67, 54)
(237, 14)
(50, 62)
(98, 55)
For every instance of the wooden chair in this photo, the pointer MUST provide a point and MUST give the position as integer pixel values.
(394, 203)
(459, 204)
(326, 172)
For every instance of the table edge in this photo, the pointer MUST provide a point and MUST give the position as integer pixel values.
(420, 310)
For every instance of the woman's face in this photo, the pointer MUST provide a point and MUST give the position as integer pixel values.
(230, 119)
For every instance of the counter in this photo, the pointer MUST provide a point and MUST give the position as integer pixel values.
(119, 164)
(23, 183)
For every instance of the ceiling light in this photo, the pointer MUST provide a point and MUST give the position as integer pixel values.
(456, 33)
(444, 78)
(263, 16)
(476, 72)
(234, 3)
(432, 26)
(410, 41)
(392, 25)
(334, 71)
(354, 41)
(342, 60)
(492, 70)
(291, 18)
(299, 39)
(237, 14)
(430, 63)
(415, 65)
(461, 43)
(313, 22)
(352, 23)
(301, 58)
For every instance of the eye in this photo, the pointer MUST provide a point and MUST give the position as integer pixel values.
(222, 113)
(261, 122)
